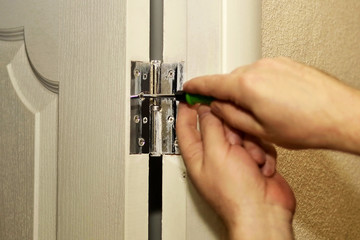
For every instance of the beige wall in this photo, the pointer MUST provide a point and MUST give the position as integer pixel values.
(325, 34)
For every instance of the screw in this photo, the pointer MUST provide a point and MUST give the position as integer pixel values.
(145, 120)
(176, 143)
(170, 119)
(136, 72)
(171, 74)
(141, 142)
(136, 119)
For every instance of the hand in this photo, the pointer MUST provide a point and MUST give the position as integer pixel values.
(246, 194)
(286, 103)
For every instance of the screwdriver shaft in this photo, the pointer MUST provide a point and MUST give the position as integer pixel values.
(145, 95)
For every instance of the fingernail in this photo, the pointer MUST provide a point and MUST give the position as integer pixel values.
(258, 155)
(215, 108)
(233, 138)
(269, 169)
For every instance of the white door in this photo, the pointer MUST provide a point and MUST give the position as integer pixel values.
(28, 120)
(65, 66)
(65, 168)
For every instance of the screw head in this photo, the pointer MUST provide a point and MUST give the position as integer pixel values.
(170, 119)
(137, 72)
(141, 142)
(145, 120)
(176, 143)
(171, 73)
(136, 119)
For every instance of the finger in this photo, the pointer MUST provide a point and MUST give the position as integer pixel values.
(237, 117)
(189, 137)
(263, 153)
(225, 87)
(233, 136)
(254, 149)
(277, 189)
(269, 168)
(212, 132)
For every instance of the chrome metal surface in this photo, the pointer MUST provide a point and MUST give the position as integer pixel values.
(144, 95)
(139, 108)
(171, 81)
(155, 104)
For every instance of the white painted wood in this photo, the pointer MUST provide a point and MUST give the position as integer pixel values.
(241, 33)
(40, 20)
(136, 197)
(211, 37)
(102, 190)
(174, 190)
(28, 149)
(137, 167)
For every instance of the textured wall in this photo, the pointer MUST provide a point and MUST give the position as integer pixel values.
(324, 34)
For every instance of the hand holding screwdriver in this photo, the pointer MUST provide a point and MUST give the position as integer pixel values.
(287, 103)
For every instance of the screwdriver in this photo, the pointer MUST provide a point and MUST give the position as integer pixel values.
(180, 96)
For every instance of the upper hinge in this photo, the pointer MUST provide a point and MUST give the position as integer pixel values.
(153, 120)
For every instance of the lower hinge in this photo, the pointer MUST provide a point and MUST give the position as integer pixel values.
(153, 120)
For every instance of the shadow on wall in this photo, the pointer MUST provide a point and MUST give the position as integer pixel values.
(327, 189)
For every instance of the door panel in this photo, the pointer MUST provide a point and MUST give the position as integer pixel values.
(39, 18)
(102, 190)
(28, 119)
(28, 149)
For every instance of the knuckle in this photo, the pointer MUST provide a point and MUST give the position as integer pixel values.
(264, 62)
(248, 80)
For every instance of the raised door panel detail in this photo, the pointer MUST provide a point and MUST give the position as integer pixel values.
(28, 149)
(39, 18)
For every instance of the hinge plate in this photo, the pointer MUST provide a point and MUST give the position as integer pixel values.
(153, 121)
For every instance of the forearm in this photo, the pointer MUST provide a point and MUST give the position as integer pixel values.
(273, 223)
(346, 130)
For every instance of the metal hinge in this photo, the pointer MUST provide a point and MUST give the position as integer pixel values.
(153, 120)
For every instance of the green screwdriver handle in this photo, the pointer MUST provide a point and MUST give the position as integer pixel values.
(193, 99)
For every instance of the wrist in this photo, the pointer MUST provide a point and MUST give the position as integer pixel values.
(346, 130)
(264, 222)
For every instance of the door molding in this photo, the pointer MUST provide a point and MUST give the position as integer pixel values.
(18, 34)
(39, 168)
